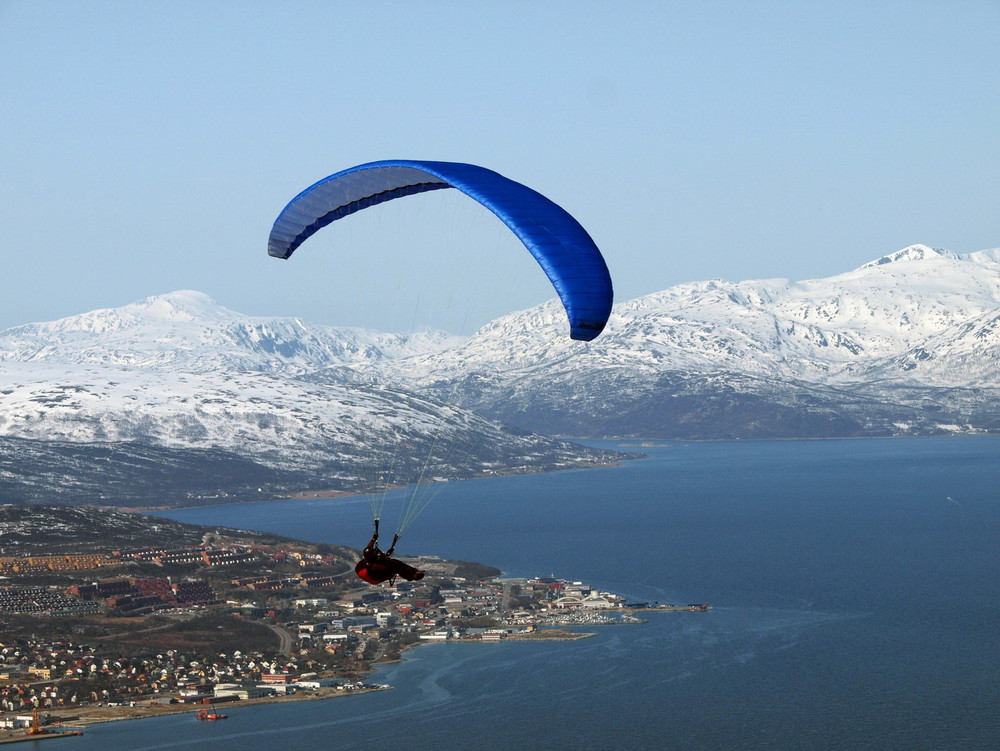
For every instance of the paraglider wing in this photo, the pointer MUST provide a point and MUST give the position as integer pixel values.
(561, 246)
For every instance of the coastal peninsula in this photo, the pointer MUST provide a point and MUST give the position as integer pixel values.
(240, 617)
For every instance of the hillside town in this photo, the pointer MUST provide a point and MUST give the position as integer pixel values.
(295, 619)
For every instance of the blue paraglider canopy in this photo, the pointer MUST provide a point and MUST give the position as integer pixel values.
(561, 246)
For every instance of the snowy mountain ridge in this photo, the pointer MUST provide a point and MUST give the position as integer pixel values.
(189, 331)
(179, 373)
(838, 330)
(906, 344)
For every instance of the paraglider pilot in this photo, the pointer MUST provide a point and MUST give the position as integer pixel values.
(376, 567)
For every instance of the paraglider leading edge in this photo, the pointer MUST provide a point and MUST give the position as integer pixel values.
(562, 247)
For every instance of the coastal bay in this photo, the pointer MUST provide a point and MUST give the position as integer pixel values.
(819, 559)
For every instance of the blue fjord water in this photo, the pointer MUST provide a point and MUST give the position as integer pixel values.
(854, 585)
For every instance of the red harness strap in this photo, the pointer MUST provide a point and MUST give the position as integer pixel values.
(364, 571)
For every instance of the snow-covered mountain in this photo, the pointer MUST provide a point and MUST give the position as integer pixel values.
(189, 331)
(829, 330)
(180, 373)
(906, 344)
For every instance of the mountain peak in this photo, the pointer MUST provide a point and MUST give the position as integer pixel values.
(184, 305)
(188, 331)
(179, 307)
(912, 253)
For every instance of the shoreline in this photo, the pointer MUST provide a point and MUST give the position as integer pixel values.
(73, 721)
(313, 495)
(83, 717)
(63, 722)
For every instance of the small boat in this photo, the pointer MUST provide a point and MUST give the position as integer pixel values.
(206, 715)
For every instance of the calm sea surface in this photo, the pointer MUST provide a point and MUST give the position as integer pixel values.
(856, 587)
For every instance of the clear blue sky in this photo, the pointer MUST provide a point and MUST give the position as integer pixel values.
(148, 146)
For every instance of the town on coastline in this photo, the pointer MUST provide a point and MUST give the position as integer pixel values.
(94, 637)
